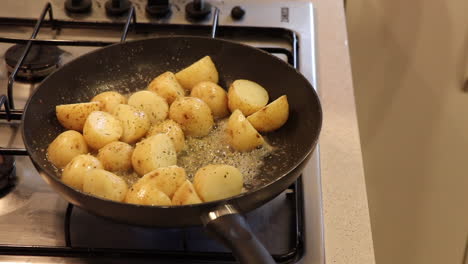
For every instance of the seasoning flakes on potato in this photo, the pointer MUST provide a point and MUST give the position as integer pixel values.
(186, 194)
(73, 116)
(76, 169)
(202, 70)
(109, 100)
(173, 130)
(247, 96)
(214, 96)
(116, 156)
(65, 147)
(193, 115)
(216, 182)
(167, 86)
(101, 128)
(241, 135)
(272, 116)
(166, 179)
(152, 153)
(105, 184)
(134, 122)
(154, 106)
(147, 195)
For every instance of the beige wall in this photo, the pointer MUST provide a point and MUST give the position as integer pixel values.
(409, 60)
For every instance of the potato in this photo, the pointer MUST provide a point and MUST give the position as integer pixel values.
(152, 153)
(214, 96)
(105, 184)
(147, 195)
(100, 129)
(74, 172)
(247, 96)
(73, 116)
(241, 135)
(193, 115)
(186, 194)
(173, 130)
(215, 182)
(109, 100)
(272, 116)
(154, 106)
(202, 70)
(167, 86)
(135, 122)
(116, 156)
(65, 147)
(167, 179)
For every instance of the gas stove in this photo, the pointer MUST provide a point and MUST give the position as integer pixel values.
(37, 226)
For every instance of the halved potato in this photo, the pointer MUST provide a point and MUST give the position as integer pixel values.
(202, 70)
(186, 194)
(109, 100)
(65, 147)
(135, 122)
(73, 116)
(154, 106)
(241, 135)
(101, 128)
(147, 195)
(116, 156)
(193, 115)
(74, 172)
(216, 182)
(247, 96)
(272, 116)
(152, 153)
(214, 96)
(173, 130)
(167, 86)
(105, 184)
(166, 179)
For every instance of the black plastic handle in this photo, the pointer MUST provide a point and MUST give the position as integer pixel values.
(234, 232)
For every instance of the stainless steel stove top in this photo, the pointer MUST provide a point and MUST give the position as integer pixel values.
(31, 214)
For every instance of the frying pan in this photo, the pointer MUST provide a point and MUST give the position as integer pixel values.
(130, 66)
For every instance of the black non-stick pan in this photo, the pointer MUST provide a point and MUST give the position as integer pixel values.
(129, 67)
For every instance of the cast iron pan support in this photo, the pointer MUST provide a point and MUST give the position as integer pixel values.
(227, 225)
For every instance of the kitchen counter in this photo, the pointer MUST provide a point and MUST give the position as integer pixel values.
(347, 230)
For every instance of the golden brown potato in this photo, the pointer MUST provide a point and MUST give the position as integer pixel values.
(193, 115)
(76, 169)
(135, 122)
(109, 100)
(100, 129)
(214, 96)
(202, 70)
(167, 86)
(272, 116)
(152, 153)
(116, 156)
(241, 135)
(216, 182)
(65, 147)
(186, 194)
(73, 116)
(166, 179)
(147, 195)
(105, 184)
(154, 106)
(173, 130)
(247, 96)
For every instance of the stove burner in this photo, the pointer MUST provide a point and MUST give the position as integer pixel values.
(78, 6)
(40, 61)
(7, 171)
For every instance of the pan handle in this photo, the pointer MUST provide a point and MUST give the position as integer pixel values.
(228, 226)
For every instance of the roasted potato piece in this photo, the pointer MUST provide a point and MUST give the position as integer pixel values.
(65, 147)
(272, 116)
(202, 70)
(154, 106)
(241, 135)
(147, 195)
(214, 96)
(116, 156)
(173, 130)
(73, 116)
(105, 184)
(109, 100)
(135, 122)
(101, 128)
(216, 182)
(247, 96)
(166, 179)
(76, 169)
(167, 86)
(152, 153)
(186, 194)
(193, 115)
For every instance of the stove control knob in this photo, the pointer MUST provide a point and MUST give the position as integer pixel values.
(117, 7)
(78, 6)
(158, 8)
(197, 10)
(237, 13)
